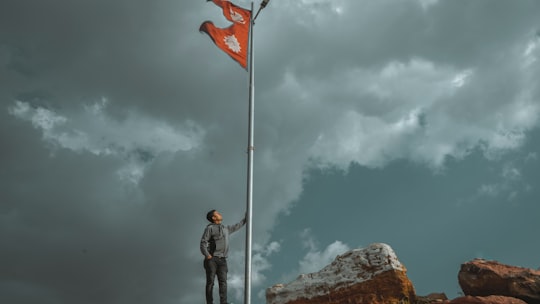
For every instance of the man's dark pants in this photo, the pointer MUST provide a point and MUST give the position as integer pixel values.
(216, 266)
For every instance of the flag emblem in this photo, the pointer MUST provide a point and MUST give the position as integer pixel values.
(237, 17)
(232, 43)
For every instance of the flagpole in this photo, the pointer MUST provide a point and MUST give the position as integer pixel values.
(250, 150)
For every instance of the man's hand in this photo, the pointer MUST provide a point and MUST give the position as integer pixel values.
(208, 257)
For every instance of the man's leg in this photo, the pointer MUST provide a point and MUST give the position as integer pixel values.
(222, 279)
(211, 268)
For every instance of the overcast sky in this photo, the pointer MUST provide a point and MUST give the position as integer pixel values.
(409, 122)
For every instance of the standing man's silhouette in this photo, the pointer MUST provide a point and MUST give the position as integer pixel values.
(215, 247)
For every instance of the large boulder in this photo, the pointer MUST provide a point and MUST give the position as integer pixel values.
(487, 300)
(372, 275)
(483, 278)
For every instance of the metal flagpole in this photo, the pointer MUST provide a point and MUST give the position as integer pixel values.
(249, 211)
(250, 150)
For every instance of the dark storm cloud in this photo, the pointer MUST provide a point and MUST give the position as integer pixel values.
(74, 232)
(137, 52)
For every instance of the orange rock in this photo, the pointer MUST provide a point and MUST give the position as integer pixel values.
(432, 298)
(372, 275)
(484, 278)
(487, 300)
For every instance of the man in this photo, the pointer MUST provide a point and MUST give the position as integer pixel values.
(215, 247)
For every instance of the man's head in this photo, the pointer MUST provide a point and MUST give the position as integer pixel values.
(214, 217)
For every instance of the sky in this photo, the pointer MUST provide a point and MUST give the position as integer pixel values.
(414, 123)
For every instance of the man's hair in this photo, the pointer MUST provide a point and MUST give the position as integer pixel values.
(210, 214)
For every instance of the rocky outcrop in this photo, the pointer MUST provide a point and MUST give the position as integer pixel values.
(372, 275)
(484, 278)
(486, 300)
(432, 298)
(441, 299)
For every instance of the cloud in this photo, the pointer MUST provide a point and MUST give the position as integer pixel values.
(260, 264)
(316, 259)
(427, 3)
(508, 184)
(489, 190)
(137, 139)
(405, 125)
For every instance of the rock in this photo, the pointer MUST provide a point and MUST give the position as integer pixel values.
(487, 300)
(432, 298)
(372, 275)
(483, 278)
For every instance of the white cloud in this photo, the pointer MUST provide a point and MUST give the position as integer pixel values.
(308, 241)
(511, 173)
(509, 185)
(461, 78)
(137, 139)
(491, 190)
(271, 248)
(427, 3)
(259, 264)
(532, 51)
(40, 117)
(532, 156)
(389, 119)
(315, 259)
(315, 11)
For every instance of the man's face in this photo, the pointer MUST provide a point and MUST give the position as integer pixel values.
(217, 217)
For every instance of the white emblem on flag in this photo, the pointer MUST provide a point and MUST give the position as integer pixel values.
(232, 43)
(236, 17)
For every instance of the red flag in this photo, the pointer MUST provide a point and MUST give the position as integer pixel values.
(233, 12)
(234, 39)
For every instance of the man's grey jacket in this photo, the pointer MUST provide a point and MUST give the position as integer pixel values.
(215, 239)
